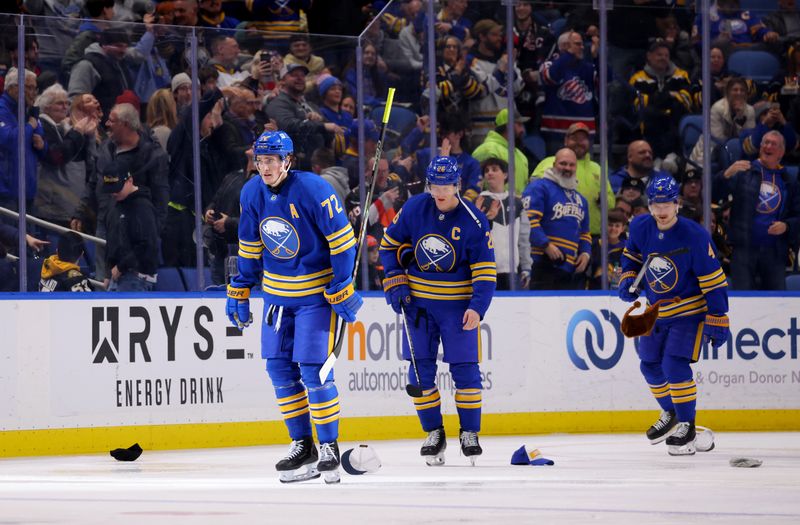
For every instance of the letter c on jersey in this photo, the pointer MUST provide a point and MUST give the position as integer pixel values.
(580, 318)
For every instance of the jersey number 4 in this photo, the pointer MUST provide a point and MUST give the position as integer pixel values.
(332, 204)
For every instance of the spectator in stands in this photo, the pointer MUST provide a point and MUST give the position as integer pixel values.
(220, 232)
(496, 146)
(9, 240)
(330, 95)
(587, 172)
(300, 52)
(212, 15)
(533, 42)
(616, 225)
(632, 189)
(730, 116)
(298, 118)
(149, 69)
(225, 59)
(31, 55)
(349, 159)
(162, 116)
(278, 17)
(132, 249)
(388, 198)
(349, 105)
(61, 186)
(375, 268)
(692, 194)
(60, 22)
(765, 216)
(35, 146)
(631, 26)
(239, 127)
(785, 21)
(102, 72)
(768, 117)
(640, 165)
(323, 163)
(451, 20)
(127, 150)
(559, 221)
(456, 83)
(490, 66)
(264, 70)
(181, 85)
(625, 206)
(375, 81)
(733, 27)
(679, 42)
(100, 13)
(185, 13)
(60, 272)
(400, 15)
(662, 98)
(208, 78)
(494, 202)
(569, 89)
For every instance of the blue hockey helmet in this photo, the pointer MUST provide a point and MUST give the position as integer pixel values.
(663, 188)
(273, 143)
(442, 171)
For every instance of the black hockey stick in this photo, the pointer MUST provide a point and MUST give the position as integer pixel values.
(337, 347)
(633, 287)
(412, 390)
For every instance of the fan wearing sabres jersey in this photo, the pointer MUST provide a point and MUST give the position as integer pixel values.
(439, 265)
(682, 267)
(296, 242)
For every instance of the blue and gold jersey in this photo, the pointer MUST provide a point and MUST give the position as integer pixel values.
(694, 275)
(295, 242)
(453, 255)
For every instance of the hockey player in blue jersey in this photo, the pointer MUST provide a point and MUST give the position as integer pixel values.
(440, 274)
(296, 242)
(681, 263)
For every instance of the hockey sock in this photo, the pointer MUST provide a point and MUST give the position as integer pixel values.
(657, 382)
(324, 403)
(682, 387)
(292, 397)
(429, 406)
(467, 377)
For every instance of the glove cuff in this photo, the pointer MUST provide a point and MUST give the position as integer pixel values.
(238, 293)
(717, 320)
(394, 281)
(341, 295)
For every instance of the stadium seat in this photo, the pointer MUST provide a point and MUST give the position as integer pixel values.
(730, 152)
(690, 128)
(557, 26)
(401, 119)
(793, 282)
(189, 275)
(792, 171)
(535, 144)
(169, 280)
(760, 66)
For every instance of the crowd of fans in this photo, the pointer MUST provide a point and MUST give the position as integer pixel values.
(109, 137)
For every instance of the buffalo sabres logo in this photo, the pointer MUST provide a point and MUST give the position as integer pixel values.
(279, 237)
(435, 254)
(769, 198)
(662, 274)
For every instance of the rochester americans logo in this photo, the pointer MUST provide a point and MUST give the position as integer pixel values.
(575, 90)
(279, 237)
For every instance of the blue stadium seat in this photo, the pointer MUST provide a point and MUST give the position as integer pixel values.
(169, 280)
(557, 26)
(189, 274)
(690, 128)
(793, 282)
(401, 119)
(536, 145)
(760, 66)
(730, 152)
(792, 171)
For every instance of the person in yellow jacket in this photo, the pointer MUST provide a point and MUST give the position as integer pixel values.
(495, 145)
(588, 173)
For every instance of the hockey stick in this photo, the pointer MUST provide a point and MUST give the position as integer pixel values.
(412, 390)
(633, 287)
(337, 347)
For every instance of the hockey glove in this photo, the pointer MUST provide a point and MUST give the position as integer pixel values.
(238, 307)
(397, 292)
(716, 329)
(625, 282)
(344, 300)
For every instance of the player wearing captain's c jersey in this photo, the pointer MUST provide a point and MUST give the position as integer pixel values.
(684, 265)
(439, 265)
(296, 242)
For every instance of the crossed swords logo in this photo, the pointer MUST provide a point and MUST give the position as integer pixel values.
(273, 230)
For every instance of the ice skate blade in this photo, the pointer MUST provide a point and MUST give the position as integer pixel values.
(294, 476)
(435, 461)
(331, 477)
(472, 460)
(685, 450)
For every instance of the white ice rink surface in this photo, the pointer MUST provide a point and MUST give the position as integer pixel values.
(596, 479)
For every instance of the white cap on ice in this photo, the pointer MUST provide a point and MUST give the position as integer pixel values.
(360, 460)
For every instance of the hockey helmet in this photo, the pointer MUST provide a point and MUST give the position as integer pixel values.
(273, 143)
(442, 171)
(663, 188)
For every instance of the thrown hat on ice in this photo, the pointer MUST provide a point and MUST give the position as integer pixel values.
(360, 460)
(131, 453)
(521, 456)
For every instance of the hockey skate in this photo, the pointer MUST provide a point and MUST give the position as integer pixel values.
(433, 448)
(663, 428)
(299, 462)
(682, 442)
(469, 445)
(328, 464)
